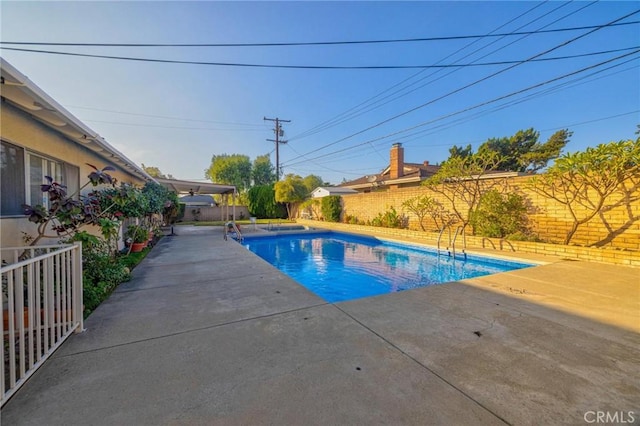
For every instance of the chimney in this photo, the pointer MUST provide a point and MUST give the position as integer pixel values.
(396, 166)
(426, 163)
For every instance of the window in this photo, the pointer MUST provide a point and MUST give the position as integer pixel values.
(39, 167)
(22, 174)
(11, 180)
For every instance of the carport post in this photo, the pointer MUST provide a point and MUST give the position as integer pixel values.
(225, 197)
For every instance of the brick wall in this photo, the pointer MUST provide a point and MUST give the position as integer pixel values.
(605, 255)
(550, 220)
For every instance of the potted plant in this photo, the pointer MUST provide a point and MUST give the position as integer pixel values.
(138, 236)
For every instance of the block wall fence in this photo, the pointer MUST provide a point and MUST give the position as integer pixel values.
(612, 237)
(213, 213)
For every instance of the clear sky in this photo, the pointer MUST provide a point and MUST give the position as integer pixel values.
(343, 121)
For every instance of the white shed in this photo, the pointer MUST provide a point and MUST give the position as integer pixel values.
(324, 191)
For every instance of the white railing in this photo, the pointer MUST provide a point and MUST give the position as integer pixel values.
(41, 306)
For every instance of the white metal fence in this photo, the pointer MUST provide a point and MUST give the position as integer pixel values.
(41, 307)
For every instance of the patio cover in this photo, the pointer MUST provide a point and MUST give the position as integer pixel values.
(185, 186)
(202, 188)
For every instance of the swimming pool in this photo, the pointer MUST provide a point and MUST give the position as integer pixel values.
(339, 267)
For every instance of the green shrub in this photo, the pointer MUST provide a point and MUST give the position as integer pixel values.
(331, 208)
(127, 200)
(261, 202)
(171, 211)
(352, 220)
(157, 195)
(101, 271)
(500, 215)
(388, 219)
(131, 260)
(136, 233)
(101, 275)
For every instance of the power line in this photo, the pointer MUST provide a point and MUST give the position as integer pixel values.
(545, 92)
(172, 127)
(448, 125)
(363, 108)
(595, 120)
(419, 134)
(312, 43)
(456, 122)
(359, 111)
(329, 168)
(407, 92)
(166, 117)
(466, 109)
(563, 44)
(322, 67)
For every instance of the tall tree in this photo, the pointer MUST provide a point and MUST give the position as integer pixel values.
(523, 152)
(153, 171)
(263, 172)
(291, 191)
(540, 155)
(262, 203)
(234, 169)
(458, 151)
(311, 182)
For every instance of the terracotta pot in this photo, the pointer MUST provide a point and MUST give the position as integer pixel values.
(5, 318)
(138, 247)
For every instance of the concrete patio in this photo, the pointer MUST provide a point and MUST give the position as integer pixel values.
(206, 333)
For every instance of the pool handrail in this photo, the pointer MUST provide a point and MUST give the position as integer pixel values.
(447, 226)
(235, 229)
(464, 241)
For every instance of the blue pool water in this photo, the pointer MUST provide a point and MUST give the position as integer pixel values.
(339, 267)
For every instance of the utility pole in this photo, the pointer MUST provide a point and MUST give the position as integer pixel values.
(279, 132)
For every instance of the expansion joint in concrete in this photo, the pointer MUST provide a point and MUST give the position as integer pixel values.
(192, 330)
(423, 366)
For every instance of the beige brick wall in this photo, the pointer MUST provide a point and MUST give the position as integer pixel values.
(550, 220)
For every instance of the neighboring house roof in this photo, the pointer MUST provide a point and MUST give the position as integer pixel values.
(412, 173)
(325, 191)
(185, 186)
(198, 200)
(18, 90)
